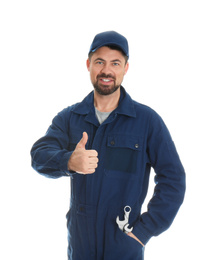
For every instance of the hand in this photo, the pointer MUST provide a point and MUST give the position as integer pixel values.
(130, 234)
(83, 161)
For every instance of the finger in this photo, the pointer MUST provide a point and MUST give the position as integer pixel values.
(92, 153)
(93, 160)
(93, 166)
(83, 141)
(90, 171)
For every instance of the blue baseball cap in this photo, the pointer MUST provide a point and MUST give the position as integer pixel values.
(110, 38)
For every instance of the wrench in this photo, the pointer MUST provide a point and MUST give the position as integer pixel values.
(123, 224)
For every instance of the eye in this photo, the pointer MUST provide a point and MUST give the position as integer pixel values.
(116, 64)
(99, 62)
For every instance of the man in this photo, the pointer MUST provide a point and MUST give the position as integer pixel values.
(107, 144)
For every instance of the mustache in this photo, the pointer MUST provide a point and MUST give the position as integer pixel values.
(103, 75)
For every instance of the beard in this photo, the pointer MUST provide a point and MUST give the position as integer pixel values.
(105, 89)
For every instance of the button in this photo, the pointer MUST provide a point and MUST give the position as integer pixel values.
(112, 142)
(81, 209)
(137, 146)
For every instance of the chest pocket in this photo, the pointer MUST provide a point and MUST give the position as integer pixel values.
(122, 154)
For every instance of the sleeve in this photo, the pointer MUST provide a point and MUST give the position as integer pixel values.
(170, 184)
(50, 153)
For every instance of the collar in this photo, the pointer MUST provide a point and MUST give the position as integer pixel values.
(125, 106)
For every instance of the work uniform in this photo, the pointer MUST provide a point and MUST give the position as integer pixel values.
(129, 142)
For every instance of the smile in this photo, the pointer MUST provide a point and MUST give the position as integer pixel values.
(106, 80)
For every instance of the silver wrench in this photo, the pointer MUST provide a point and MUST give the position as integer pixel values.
(123, 224)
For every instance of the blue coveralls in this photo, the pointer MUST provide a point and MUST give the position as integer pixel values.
(131, 141)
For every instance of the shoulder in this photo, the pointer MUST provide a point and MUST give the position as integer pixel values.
(64, 115)
(142, 109)
(68, 110)
(149, 118)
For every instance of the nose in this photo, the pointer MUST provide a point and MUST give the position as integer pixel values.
(106, 69)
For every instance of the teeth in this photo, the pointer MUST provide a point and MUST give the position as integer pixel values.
(106, 80)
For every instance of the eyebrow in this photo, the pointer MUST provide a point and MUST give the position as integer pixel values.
(99, 59)
(116, 60)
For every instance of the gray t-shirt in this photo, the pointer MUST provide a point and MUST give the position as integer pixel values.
(102, 116)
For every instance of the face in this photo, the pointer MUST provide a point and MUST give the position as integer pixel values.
(107, 68)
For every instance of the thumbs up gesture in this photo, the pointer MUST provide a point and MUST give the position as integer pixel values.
(83, 161)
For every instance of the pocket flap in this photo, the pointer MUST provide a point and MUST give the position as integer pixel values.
(125, 141)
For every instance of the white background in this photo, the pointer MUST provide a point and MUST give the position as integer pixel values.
(176, 67)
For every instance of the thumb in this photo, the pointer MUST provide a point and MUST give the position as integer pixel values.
(83, 141)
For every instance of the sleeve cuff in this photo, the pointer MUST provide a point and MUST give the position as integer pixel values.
(139, 232)
(64, 164)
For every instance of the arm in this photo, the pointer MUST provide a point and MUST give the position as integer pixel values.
(51, 156)
(170, 184)
(50, 153)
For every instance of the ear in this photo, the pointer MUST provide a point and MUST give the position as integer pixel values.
(88, 64)
(126, 68)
